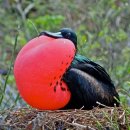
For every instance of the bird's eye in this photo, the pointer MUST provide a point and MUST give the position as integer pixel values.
(68, 35)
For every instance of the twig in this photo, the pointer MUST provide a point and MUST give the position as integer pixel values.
(21, 11)
(28, 8)
(79, 125)
(81, 107)
(122, 116)
(102, 104)
(90, 128)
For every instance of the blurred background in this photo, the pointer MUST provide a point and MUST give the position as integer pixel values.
(102, 26)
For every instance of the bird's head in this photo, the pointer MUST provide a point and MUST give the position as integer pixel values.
(66, 33)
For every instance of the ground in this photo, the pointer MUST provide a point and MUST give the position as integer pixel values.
(98, 118)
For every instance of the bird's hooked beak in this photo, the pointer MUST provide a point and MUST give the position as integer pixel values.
(50, 34)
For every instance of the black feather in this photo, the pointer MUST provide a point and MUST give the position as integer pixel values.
(92, 68)
(86, 90)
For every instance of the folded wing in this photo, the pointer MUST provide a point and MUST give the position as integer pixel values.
(89, 83)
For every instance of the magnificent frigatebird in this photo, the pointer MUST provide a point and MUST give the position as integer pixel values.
(88, 82)
(50, 74)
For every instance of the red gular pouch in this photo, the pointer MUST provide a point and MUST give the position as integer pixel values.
(38, 72)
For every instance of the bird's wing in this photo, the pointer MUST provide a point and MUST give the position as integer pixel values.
(92, 68)
(86, 90)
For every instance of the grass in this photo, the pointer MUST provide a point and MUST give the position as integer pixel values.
(9, 70)
(35, 28)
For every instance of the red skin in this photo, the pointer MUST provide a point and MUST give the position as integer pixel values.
(38, 66)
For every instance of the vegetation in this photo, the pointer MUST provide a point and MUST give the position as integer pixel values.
(102, 26)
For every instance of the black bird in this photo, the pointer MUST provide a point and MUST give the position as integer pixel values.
(88, 82)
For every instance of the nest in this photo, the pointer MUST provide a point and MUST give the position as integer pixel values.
(95, 119)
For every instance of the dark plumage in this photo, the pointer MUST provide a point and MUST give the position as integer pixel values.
(88, 82)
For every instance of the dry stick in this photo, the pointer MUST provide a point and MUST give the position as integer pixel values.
(90, 128)
(73, 124)
(124, 120)
(112, 111)
(81, 108)
(102, 104)
(79, 125)
(122, 116)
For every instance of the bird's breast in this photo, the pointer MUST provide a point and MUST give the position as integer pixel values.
(38, 71)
